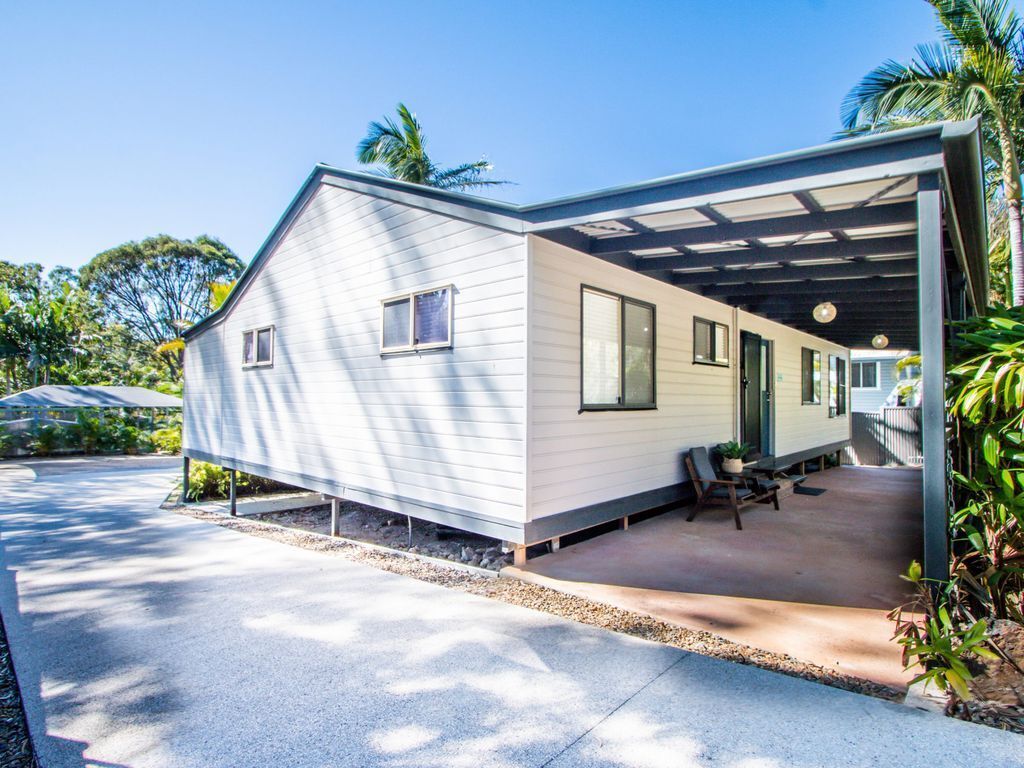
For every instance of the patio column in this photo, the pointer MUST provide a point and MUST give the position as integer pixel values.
(184, 476)
(931, 301)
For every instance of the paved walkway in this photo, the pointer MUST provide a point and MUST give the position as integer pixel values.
(143, 638)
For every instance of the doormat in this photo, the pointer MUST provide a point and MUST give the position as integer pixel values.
(805, 491)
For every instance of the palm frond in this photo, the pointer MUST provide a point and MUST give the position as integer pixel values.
(913, 90)
(465, 176)
(398, 150)
(978, 24)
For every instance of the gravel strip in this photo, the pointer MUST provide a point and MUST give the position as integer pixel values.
(15, 744)
(544, 599)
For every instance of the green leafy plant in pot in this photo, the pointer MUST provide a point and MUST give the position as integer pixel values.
(732, 454)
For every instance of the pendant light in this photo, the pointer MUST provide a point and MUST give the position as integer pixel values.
(825, 312)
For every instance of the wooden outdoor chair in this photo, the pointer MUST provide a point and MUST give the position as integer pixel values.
(712, 489)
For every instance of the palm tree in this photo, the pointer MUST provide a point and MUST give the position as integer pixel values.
(400, 153)
(976, 69)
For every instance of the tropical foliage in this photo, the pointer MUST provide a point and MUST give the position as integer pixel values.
(977, 68)
(985, 399)
(209, 481)
(92, 433)
(399, 151)
(42, 326)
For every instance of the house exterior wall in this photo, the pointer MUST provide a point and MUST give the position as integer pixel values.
(438, 434)
(579, 459)
(797, 426)
(864, 400)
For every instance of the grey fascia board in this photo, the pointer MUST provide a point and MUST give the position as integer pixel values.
(298, 202)
(481, 212)
(963, 173)
(517, 218)
(926, 164)
(744, 165)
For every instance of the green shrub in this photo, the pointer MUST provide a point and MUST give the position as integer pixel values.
(209, 481)
(130, 439)
(8, 442)
(87, 433)
(167, 440)
(44, 439)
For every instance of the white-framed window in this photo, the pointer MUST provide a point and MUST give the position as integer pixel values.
(417, 320)
(258, 347)
(617, 347)
(710, 342)
(864, 375)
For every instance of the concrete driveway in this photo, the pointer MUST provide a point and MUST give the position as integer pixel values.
(143, 638)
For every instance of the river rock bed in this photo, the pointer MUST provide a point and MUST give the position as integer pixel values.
(388, 529)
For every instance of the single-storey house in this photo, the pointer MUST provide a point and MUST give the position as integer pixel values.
(524, 371)
(875, 378)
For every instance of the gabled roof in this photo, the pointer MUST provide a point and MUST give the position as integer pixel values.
(61, 396)
(707, 229)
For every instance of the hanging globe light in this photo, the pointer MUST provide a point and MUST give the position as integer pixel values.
(881, 341)
(825, 312)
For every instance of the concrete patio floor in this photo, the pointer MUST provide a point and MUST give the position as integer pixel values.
(813, 580)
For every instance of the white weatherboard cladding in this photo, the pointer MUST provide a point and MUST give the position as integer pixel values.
(585, 458)
(798, 426)
(440, 427)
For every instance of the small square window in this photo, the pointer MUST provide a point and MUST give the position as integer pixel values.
(415, 321)
(710, 342)
(258, 347)
(864, 375)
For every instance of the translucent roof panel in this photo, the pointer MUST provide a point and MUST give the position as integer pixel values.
(857, 233)
(761, 208)
(868, 192)
(674, 219)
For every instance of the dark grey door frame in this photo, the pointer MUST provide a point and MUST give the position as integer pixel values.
(751, 369)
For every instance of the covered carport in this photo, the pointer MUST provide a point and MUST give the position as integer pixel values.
(890, 229)
(56, 400)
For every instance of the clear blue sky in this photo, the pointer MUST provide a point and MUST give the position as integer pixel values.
(122, 120)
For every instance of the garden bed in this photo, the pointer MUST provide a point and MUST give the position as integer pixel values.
(15, 744)
(387, 529)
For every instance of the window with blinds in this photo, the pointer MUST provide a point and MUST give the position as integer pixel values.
(617, 352)
(710, 342)
(416, 321)
(258, 347)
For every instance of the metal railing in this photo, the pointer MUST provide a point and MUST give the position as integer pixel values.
(886, 438)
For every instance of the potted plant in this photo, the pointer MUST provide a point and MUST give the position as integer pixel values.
(732, 454)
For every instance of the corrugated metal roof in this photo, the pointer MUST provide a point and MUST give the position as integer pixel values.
(67, 396)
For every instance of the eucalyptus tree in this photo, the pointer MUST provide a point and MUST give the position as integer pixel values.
(976, 69)
(160, 285)
(399, 151)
